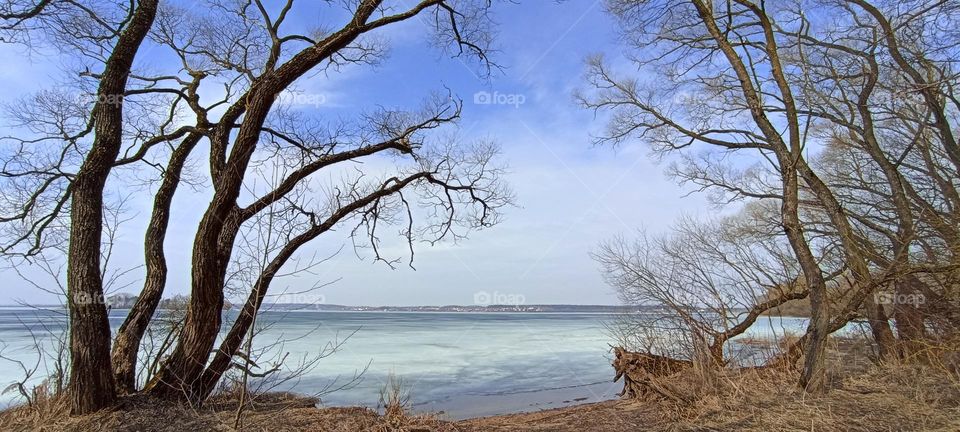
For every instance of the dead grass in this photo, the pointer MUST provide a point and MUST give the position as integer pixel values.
(273, 412)
(917, 396)
(887, 399)
(865, 397)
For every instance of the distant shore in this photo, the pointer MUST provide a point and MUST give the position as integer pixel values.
(126, 303)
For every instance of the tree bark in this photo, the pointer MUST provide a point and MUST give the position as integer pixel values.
(813, 378)
(909, 318)
(91, 386)
(127, 343)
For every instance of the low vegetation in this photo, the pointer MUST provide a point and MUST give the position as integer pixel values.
(863, 397)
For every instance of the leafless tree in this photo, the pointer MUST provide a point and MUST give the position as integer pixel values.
(714, 279)
(868, 101)
(745, 90)
(87, 144)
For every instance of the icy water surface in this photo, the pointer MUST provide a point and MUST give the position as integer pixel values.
(464, 364)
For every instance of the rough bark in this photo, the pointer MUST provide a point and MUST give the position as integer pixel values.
(127, 342)
(91, 386)
(909, 318)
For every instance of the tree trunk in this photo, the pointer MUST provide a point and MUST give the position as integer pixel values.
(232, 341)
(909, 317)
(91, 386)
(854, 257)
(880, 328)
(127, 343)
(789, 156)
(181, 374)
(182, 370)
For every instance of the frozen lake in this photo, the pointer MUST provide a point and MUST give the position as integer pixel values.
(464, 364)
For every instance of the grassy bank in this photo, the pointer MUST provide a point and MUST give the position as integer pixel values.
(864, 397)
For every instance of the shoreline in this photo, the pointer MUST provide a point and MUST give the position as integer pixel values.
(468, 407)
(753, 404)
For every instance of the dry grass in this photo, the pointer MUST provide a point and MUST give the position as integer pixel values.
(887, 399)
(273, 412)
(917, 396)
(865, 397)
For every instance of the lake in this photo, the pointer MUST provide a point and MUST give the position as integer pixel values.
(463, 364)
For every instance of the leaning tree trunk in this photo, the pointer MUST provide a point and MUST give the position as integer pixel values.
(854, 258)
(212, 247)
(233, 340)
(127, 343)
(182, 372)
(91, 386)
(789, 155)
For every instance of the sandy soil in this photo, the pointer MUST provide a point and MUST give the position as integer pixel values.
(602, 416)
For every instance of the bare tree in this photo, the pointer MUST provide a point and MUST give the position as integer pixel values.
(111, 39)
(714, 279)
(861, 102)
(695, 34)
(758, 85)
(447, 176)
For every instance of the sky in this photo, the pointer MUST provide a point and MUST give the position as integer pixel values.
(570, 194)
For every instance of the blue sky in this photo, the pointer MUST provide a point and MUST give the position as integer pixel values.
(570, 194)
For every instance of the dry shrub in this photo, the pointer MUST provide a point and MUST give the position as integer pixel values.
(394, 398)
(395, 404)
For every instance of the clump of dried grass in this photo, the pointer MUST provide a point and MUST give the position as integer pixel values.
(395, 404)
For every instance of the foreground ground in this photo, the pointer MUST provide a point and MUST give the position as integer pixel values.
(863, 398)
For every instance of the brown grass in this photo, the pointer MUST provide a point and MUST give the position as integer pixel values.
(272, 412)
(865, 397)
